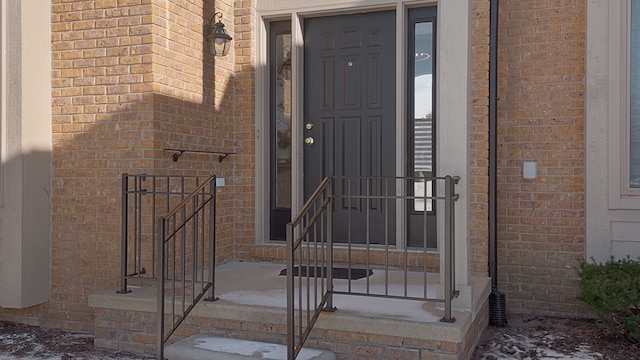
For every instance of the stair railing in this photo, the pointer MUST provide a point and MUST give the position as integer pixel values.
(175, 251)
(309, 279)
(312, 247)
(186, 259)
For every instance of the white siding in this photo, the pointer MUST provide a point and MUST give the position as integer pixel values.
(25, 149)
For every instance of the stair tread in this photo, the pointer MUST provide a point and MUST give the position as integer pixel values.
(206, 347)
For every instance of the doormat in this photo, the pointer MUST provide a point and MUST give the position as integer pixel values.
(338, 272)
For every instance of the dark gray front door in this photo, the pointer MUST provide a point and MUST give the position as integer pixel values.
(350, 118)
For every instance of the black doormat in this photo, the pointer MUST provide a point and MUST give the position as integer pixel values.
(338, 272)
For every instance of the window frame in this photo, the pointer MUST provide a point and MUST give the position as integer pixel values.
(621, 195)
(626, 78)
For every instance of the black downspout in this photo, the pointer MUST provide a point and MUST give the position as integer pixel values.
(497, 304)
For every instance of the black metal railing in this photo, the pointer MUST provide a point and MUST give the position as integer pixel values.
(351, 221)
(186, 258)
(168, 236)
(144, 198)
(309, 244)
(168, 239)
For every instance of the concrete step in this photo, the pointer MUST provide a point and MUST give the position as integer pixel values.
(201, 347)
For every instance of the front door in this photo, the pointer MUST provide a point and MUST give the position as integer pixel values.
(350, 119)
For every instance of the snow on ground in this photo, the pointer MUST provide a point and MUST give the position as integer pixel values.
(514, 347)
(518, 347)
(61, 357)
(34, 343)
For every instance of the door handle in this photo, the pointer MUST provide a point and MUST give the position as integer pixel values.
(308, 140)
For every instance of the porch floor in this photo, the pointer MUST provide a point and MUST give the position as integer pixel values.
(259, 284)
(255, 293)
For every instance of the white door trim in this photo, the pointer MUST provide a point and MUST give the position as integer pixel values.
(453, 98)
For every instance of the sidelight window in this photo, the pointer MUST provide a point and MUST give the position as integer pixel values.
(421, 90)
(280, 127)
(421, 120)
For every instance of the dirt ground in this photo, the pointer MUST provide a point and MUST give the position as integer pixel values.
(524, 337)
(537, 338)
(18, 341)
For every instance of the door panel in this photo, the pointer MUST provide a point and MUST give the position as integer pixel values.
(350, 107)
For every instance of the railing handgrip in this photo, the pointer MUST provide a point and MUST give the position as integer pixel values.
(188, 198)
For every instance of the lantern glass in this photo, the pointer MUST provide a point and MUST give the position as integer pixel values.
(218, 39)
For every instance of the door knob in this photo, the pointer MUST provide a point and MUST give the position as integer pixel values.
(309, 126)
(308, 140)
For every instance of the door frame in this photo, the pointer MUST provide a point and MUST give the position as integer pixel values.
(453, 74)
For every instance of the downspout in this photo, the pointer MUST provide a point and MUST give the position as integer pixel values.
(497, 304)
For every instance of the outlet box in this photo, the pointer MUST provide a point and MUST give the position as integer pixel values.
(529, 170)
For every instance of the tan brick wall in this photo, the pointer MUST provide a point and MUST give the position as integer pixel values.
(178, 69)
(479, 138)
(245, 170)
(131, 78)
(101, 66)
(541, 222)
(134, 331)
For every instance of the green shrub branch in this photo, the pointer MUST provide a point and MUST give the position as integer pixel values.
(612, 291)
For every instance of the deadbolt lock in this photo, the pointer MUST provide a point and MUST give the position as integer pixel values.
(309, 126)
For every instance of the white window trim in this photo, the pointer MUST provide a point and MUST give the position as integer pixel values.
(606, 208)
(620, 195)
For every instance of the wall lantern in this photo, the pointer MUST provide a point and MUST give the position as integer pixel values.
(217, 36)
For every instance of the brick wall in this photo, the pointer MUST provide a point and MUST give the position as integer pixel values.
(245, 170)
(479, 138)
(101, 66)
(134, 331)
(541, 222)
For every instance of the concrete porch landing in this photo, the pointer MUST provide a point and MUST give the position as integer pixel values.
(252, 306)
(204, 347)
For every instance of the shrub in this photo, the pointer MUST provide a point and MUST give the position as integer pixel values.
(612, 291)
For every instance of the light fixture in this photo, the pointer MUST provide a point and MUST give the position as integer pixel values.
(217, 36)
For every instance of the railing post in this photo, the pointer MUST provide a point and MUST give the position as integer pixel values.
(124, 234)
(291, 344)
(212, 241)
(448, 248)
(454, 198)
(160, 294)
(329, 193)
